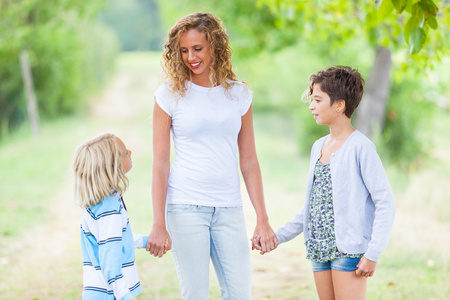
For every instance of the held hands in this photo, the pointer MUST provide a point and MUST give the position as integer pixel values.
(159, 242)
(264, 239)
(258, 245)
(366, 267)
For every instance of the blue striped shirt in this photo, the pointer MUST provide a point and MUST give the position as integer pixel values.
(107, 249)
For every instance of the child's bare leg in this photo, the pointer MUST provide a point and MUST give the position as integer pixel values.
(324, 285)
(349, 286)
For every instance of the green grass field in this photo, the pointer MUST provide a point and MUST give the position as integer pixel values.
(39, 245)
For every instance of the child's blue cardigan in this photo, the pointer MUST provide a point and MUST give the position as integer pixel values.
(363, 201)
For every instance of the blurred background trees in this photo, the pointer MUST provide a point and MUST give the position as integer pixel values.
(277, 45)
(70, 55)
(136, 22)
(398, 45)
(74, 47)
(414, 31)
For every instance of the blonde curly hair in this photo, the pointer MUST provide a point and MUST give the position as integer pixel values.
(98, 170)
(221, 68)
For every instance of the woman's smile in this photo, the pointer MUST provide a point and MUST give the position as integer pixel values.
(195, 65)
(196, 55)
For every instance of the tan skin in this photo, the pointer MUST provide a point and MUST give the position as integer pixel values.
(161, 167)
(251, 172)
(126, 159)
(125, 155)
(195, 52)
(333, 284)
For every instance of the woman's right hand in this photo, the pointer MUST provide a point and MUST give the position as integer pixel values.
(158, 241)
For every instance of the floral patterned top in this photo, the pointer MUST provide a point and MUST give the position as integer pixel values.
(321, 246)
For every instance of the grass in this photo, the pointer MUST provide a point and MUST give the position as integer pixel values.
(416, 264)
(31, 171)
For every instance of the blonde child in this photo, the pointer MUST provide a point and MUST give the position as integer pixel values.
(107, 242)
(349, 208)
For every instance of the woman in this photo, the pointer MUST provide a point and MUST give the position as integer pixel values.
(210, 115)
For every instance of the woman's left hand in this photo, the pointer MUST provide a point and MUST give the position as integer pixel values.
(264, 239)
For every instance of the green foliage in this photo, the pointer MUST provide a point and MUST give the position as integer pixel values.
(69, 56)
(136, 22)
(381, 21)
(278, 80)
(98, 55)
(38, 165)
(11, 105)
(417, 40)
(279, 43)
(251, 30)
(414, 266)
(415, 31)
(404, 137)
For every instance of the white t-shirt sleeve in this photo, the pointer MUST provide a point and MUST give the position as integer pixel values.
(164, 99)
(245, 98)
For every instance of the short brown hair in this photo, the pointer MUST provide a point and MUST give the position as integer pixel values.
(340, 83)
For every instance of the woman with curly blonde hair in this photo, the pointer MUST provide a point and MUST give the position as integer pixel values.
(220, 68)
(197, 203)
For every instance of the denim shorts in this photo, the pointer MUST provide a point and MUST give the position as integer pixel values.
(340, 264)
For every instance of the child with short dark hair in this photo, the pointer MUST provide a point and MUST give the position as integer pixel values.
(349, 208)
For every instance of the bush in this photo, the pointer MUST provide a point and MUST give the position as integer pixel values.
(408, 114)
(70, 56)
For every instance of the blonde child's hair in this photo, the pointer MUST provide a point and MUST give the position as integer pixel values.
(221, 68)
(97, 170)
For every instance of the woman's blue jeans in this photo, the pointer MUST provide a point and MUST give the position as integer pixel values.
(201, 233)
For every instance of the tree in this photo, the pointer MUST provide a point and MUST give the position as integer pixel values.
(62, 42)
(324, 31)
(383, 23)
(252, 29)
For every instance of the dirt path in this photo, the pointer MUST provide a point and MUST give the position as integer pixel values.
(49, 254)
(39, 257)
(41, 261)
(45, 262)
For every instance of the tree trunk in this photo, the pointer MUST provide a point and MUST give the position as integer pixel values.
(33, 113)
(371, 113)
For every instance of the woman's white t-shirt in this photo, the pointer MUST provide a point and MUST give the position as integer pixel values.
(205, 128)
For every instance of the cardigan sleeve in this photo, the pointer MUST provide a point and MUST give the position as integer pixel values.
(377, 183)
(296, 226)
(292, 228)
